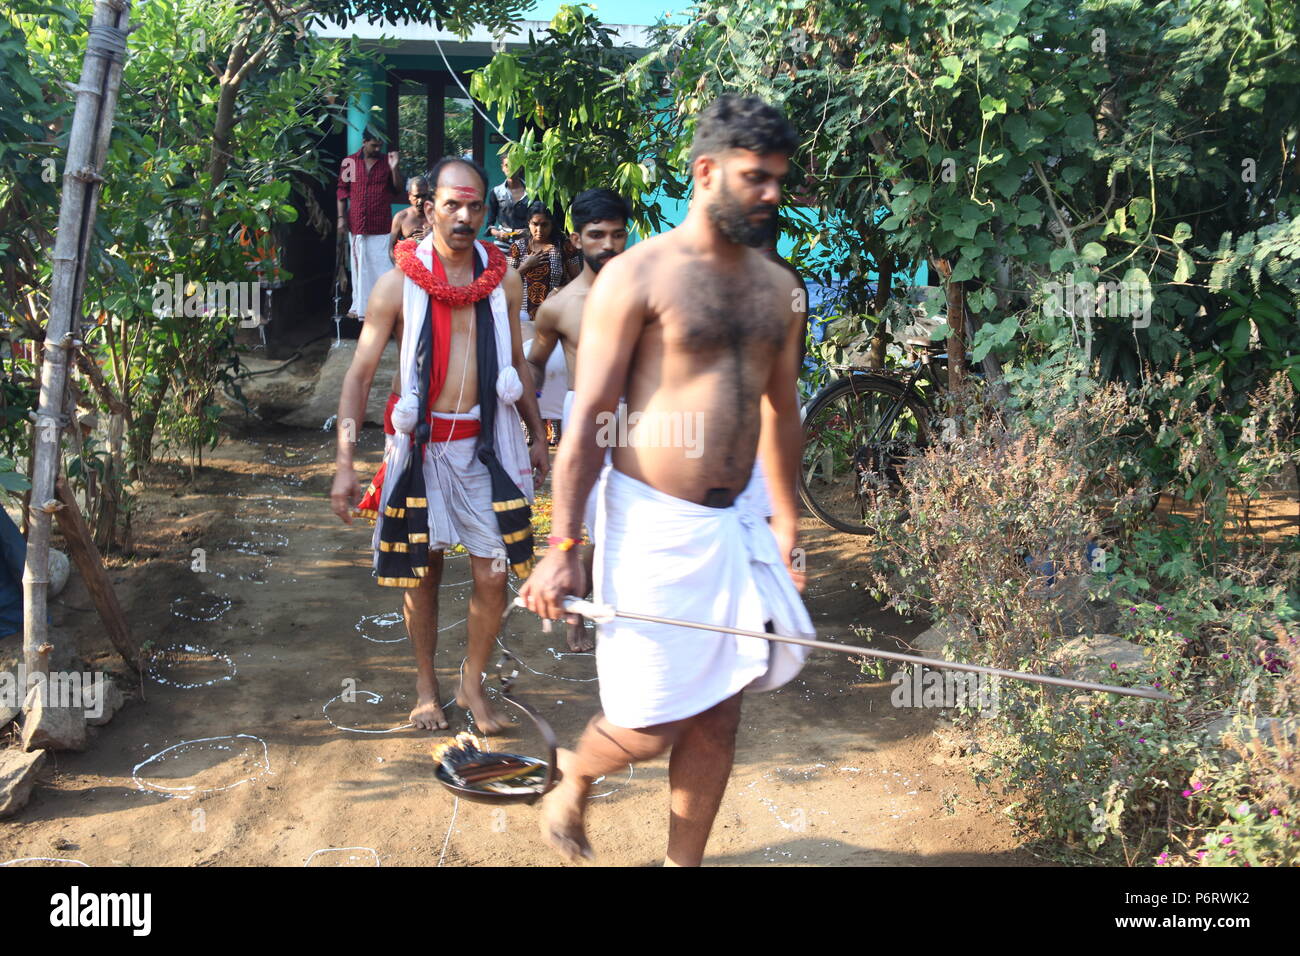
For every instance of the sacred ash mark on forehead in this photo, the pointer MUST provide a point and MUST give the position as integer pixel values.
(468, 193)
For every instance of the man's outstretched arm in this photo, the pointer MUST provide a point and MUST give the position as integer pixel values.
(613, 319)
(382, 309)
(544, 339)
(780, 440)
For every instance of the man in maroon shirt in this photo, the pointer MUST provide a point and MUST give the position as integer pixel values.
(369, 186)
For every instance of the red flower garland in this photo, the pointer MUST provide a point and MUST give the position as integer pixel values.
(453, 295)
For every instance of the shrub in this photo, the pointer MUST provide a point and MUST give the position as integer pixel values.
(989, 531)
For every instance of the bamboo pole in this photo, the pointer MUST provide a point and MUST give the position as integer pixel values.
(92, 125)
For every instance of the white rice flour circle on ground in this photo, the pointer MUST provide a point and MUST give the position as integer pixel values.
(156, 665)
(42, 859)
(345, 849)
(186, 792)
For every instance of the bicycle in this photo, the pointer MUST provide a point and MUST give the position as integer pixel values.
(861, 429)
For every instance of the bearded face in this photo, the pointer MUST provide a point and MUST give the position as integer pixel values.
(750, 225)
(600, 241)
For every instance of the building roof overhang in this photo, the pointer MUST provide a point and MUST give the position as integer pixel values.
(420, 39)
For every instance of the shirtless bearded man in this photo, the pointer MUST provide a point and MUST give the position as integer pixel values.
(599, 233)
(695, 322)
(449, 338)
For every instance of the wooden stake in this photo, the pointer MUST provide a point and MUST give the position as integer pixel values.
(82, 551)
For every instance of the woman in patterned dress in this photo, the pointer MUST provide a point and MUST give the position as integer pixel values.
(546, 261)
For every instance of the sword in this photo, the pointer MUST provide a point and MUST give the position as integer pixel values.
(604, 613)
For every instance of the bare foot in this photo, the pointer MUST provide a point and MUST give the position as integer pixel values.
(560, 821)
(486, 719)
(428, 712)
(578, 638)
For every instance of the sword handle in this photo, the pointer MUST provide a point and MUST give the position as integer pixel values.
(600, 613)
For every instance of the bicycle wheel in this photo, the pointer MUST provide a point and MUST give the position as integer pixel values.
(859, 433)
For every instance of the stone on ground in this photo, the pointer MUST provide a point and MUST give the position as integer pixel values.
(112, 702)
(18, 772)
(930, 642)
(1089, 657)
(52, 728)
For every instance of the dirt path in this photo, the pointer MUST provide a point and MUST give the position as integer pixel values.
(262, 645)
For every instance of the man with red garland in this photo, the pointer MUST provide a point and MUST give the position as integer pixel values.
(458, 469)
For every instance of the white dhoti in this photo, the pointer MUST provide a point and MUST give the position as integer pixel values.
(556, 384)
(370, 260)
(460, 496)
(656, 554)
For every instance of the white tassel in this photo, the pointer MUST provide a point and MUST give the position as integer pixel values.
(405, 414)
(509, 387)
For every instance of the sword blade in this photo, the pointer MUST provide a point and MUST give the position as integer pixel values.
(1149, 693)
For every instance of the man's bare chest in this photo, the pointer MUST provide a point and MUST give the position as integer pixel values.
(726, 318)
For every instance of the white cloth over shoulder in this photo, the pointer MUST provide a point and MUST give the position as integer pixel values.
(657, 554)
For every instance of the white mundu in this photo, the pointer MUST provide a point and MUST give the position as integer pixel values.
(370, 260)
(657, 554)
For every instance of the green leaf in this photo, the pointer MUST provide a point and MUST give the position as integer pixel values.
(1093, 253)
(1141, 209)
(1182, 232)
(1079, 126)
(1059, 257)
(1241, 335)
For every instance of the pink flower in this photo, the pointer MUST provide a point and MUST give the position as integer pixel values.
(1274, 812)
(1162, 859)
(1226, 840)
(1114, 666)
(1200, 855)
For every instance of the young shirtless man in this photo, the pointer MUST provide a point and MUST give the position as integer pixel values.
(599, 233)
(693, 324)
(458, 487)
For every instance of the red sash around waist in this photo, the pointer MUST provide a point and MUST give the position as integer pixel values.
(453, 429)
